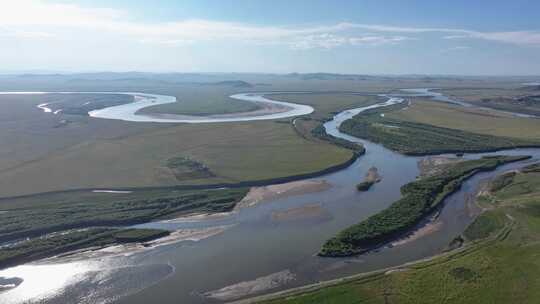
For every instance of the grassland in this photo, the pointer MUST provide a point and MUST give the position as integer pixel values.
(499, 265)
(80, 152)
(42, 214)
(419, 198)
(525, 99)
(460, 118)
(38, 156)
(204, 100)
(432, 128)
(38, 248)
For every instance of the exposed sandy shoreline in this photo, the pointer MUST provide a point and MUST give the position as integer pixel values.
(252, 287)
(260, 194)
(132, 248)
(273, 192)
(428, 228)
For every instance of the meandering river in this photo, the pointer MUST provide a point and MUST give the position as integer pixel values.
(256, 248)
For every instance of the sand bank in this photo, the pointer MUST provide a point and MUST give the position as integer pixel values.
(248, 288)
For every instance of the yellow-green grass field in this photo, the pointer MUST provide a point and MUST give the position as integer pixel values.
(233, 152)
(467, 119)
(503, 267)
(204, 100)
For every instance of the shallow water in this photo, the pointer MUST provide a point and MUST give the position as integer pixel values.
(257, 244)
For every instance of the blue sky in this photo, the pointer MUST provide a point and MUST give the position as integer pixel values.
(365, 37)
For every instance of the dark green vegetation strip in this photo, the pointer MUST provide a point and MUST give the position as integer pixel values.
(420, 198)
(37, 248)
(36, 216)
(364, 186)
(502, 268)
(414, 138)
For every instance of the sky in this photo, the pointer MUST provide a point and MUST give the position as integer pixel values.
(482, 37)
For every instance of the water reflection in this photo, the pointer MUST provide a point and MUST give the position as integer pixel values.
(39, 282)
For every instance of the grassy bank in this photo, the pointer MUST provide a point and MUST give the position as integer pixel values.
(395, 130)
(499, 266)
(40, 215)
(420, 198)
(38, 248)
(472, 120)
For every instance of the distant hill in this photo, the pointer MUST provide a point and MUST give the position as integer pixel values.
(232, 83)
(328, 76)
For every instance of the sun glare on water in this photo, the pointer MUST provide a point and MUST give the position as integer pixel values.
(42, 281)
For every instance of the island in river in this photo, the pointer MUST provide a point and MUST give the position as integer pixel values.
(372, 177)
(420, 198)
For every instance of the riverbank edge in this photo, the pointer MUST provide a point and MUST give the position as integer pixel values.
(441, 201)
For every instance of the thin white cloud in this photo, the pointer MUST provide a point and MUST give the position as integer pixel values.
(378, 40)
(516, 37)
(456, 49)
(456, 36)
(325, 41)
(21, 19)
(330, 41)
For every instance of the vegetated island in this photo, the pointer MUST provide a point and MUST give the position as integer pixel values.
(372, 177)
(415, 138)
(420, 198)
(47, 246)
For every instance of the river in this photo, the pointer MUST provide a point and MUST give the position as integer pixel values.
(257, 244)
